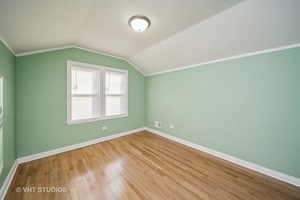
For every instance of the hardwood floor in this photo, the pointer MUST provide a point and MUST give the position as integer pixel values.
(142, 166)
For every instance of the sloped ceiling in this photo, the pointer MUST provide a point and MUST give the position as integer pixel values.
(253, 25)
(182, 32)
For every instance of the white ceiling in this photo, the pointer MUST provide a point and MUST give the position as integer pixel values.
(182, 32)
(250, 26)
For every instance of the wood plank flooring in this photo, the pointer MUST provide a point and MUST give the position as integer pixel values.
(141, 166)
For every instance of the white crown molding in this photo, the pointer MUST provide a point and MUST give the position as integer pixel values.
(97, 52)
(81, 48)
(110, 55)
(8, 179)
(133, 65)
(76, 146)
(157, 73)
(6, 44)
(229, 58)
(263, 170)
(43, 50)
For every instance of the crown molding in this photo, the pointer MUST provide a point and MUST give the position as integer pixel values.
(134, 66)
(81, 48)
(156, 73)
(229, 58)
(117, 57)
(6, 44)
(43, 50)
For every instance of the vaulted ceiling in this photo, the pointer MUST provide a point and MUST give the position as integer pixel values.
(182, 32)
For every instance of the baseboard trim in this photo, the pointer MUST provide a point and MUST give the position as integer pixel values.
(45, 154)
(263, 170)
(8, 179)
(75, 146)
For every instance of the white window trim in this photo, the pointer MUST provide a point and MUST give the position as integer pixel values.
(102, 92)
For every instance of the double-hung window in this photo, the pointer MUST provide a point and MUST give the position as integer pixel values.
(95, 92)
(115, 93)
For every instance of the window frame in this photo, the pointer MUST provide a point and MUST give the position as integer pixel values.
(102, 71)
(115, 95)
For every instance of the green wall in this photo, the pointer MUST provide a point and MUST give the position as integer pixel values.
(247, 107)
(42, 101)
(7, 71)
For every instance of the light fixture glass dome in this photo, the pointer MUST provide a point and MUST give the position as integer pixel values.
(139, 23)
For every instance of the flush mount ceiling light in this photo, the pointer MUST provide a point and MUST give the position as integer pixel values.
(139, 23)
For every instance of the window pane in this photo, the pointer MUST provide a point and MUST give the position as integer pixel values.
(115, 105)
(115, 82)
(85, 107)
(84, 81)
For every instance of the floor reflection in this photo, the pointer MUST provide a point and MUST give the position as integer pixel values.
(113, 176)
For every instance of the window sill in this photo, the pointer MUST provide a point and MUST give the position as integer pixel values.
(95, 119)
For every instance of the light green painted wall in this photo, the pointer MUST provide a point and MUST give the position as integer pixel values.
(7, 71)
(247, 107)
(42, 101)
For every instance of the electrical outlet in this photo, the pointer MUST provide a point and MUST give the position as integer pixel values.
(157, 124)
(104, 127)
(171, 126)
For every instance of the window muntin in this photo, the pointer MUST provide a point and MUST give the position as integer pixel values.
(85, 93)
(115, 93)
(96, 92)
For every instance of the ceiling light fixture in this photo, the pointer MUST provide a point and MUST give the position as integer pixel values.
(139, 23)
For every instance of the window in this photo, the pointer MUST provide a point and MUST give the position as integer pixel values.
(95, 92)
(115, 93)
(85, 93)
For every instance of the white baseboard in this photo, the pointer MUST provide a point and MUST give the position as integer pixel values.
(75, 146)
(8, 179)
(24, 159)
(269, 172)
(263, 170)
